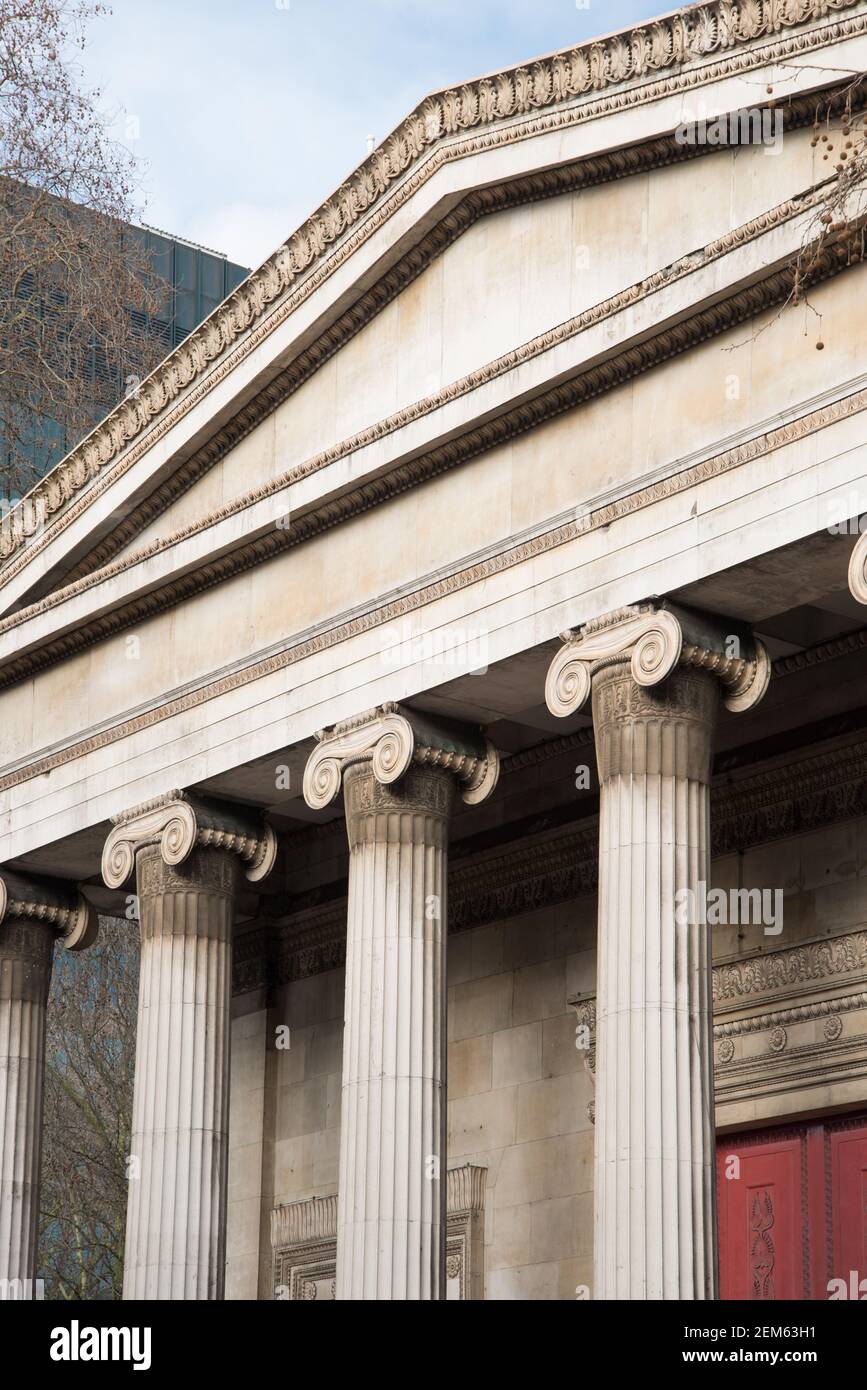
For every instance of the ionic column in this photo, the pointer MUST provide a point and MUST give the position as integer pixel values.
(858, 569)
(33, 913)
(188, 856)
(399, 773)
(656, 676)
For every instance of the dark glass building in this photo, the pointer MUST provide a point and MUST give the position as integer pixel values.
(196, 280)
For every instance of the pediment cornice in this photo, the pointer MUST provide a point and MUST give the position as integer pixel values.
(612, 165)
(676, 52)
(124, 593)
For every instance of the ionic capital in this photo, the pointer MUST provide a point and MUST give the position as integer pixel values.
(391, 738)
(858, 569)
(656, 638)
(55, 902)
(178, 823)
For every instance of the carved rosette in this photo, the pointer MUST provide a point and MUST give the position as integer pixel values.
(178, 823)
(55, 902)
(656, 639)
(390, 740)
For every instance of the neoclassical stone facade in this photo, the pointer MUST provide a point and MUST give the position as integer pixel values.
(453, 665)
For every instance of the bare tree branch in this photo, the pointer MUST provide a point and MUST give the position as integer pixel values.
(90, 1063)
(77, 287)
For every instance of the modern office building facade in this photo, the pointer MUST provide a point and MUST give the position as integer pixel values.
(193, 281)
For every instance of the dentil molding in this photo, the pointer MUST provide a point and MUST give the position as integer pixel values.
(546, 183)
(716, 318)
(94, 568)
(332, 633)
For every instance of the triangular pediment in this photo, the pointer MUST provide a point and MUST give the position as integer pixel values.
(401, 311)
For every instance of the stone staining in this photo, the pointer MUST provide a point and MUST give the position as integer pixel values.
(32, 914)
(399, 772)
(655, 675)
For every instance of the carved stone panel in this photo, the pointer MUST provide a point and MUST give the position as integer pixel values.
(790, 1029)
(304, 1242)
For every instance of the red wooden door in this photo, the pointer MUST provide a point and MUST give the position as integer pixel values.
(793, 1211)
(760, 1191)
(847, 1170)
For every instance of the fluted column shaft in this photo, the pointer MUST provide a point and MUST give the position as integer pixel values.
(655, 1201)
(26, 950)
(176, 1215)
(391, 1204)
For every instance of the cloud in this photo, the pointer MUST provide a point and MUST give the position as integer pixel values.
(248, 116)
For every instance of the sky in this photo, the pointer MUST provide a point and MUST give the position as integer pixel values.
(247, 114)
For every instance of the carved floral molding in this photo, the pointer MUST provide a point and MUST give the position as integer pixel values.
(93, 569)
(783, 1049)
(566, 85)
(330, 634)
(779, 971)
(724, 314)
(612, 165)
